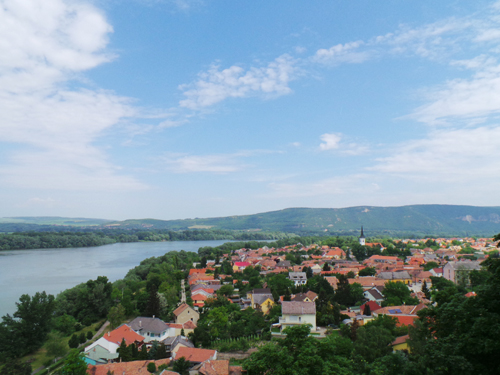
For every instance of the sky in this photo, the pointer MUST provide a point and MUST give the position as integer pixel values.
(174, 109)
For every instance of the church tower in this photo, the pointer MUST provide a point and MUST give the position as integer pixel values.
(362, 238)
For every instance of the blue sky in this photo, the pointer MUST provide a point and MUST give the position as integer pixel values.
(200, 108)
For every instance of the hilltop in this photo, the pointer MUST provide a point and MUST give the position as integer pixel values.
(414, 220)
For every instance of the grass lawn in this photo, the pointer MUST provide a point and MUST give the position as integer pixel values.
(275, 330)
(41, 356)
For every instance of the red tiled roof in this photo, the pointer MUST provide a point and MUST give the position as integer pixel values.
(400, 340)
(195, 354)
(180, 309)
(123, 332)
(128, 368)
(215, 367)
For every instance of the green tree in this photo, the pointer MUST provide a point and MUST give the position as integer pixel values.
(181, 366)
(73, 341)
(151, 367)
(373, 342)
(55, 346)
(430, 265)
(74, 364)
(397, 293)
(426, 290)
(16, 367)
(116, 316)
(368, 271)
(82, 338)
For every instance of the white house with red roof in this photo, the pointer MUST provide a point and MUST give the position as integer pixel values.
(106, 347)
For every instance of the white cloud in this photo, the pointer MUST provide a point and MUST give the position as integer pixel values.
(44, 45)
(447, 156)
(458, 99)
(220, 164)
(216, 85)
(341, 53)
(330, 141)
(334, 186)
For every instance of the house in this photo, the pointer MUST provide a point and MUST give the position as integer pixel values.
(195, 355)
(172, 344)
(298, 278)
(458, 272)
(405, 314)
(184, 313)
(106, 347)
(295, 313)
(401, 276)
(261, 299)
(219, 367)
(400, 343)
(128, 368)
(187, 327)
(372, 304)
(438, 272)
(283, 265)
(335, 254)
(240, 266)
(305, 297)
(374, 294)
(151, 328)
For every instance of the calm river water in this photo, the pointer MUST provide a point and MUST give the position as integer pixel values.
(54, 270)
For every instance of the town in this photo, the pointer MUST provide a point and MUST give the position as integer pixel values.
(331, 290)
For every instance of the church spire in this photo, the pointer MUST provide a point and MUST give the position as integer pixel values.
(362, 237)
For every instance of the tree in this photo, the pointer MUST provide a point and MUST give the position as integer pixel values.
(90, 335)
(426, 290)
(116, 315)
(153, 303)
(373, 342)
(226, 290)
(55, 346)
(367, 311)
(82, 338)
(368, 271)
(16, 367)
(181, 366)
(124, 352)
(326, 267)
(73, 341)
(74, 364)
(397, 293)
(151, 367)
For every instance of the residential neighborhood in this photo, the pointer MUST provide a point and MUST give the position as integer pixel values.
(326, 288)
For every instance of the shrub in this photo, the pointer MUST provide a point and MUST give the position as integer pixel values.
(151, 367)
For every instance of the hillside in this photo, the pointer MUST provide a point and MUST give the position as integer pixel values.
(445, 220)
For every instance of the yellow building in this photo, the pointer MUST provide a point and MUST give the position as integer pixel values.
(401, 343)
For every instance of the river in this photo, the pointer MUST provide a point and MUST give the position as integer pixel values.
(54, 270)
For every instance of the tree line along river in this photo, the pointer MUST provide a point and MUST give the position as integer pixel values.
(54, 270)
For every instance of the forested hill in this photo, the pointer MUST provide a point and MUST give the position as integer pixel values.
(416, 220)
(445, 220)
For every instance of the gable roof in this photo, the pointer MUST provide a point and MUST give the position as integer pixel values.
(215, 367)
(180, 309)
(124, 332)
(128, 368)
(298, 308)
(195, 355)
(147, 324)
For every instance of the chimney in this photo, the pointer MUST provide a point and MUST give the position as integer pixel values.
(140, 323)
(153, 316)
(109, 333)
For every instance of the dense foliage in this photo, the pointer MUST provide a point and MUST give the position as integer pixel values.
(86, 237)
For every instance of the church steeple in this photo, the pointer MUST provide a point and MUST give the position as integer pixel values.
(362, 237)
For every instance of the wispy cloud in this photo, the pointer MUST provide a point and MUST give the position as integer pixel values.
(334, 141)
(341, 53)
(447, 156)
(44, 45)
(216, 85)
(218, 163)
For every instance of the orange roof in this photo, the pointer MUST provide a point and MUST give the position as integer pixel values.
(215, 367)
(197, 270)
(199, 297)
(124, 332)
(400, 340)
(405, 320)
(128, 368)
(195, 354)
(180, 309)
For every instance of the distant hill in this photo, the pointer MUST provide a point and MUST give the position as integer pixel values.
(416, 220)
(53, 220)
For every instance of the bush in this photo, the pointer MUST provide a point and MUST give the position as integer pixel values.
(82, 338)
(90, 335)
(151, 367)
(73, 341)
